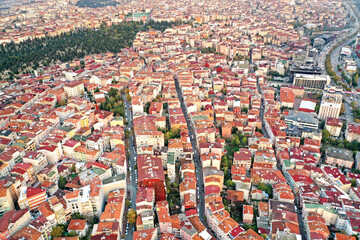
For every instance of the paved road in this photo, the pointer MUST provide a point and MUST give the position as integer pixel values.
(336, 52)
(262, 111)
(348, 110)
(342, 37)
(132, 185)
(198, 166)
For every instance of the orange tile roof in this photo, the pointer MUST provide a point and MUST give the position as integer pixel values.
(175, 221)
(340, 236)
(45, 210)
(77, 224)
(249, 235)
(228, 224)
(27, 233)
(263, 206)
(144, 234)
(112, 211)
(248, 209)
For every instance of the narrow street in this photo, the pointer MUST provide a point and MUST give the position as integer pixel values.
(279, 167)
(198, 166)
(300, 219)
(131, 180)
(262, 111)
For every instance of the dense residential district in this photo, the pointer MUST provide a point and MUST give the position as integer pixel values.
(239, 120)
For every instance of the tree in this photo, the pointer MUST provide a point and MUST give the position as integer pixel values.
(127, 133)
(62, 102)
(128, 97)
(325, 135)
(97, 90)
(62, 182)
(72, 234)
(77, 216)
(158, 98)
(236, 141)
(353, 182)
(342, 110)
(273, 73)
(355, 79)
(266, 188)
(244, 141)
(147, 107)
(166, 109)
(131, 216)
(127, 203)
(94, 220)
(57, 231)
(253, 227)
(230, 184)
(113, 92)
(259, 130)
(224, 161)
(245, 109)
(73, 168)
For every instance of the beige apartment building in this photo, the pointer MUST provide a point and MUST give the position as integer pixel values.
(334, 126)
(331, 101)
(74, 89)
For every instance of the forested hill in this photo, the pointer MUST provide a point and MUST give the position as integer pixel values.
(19, 58)
(96, 3)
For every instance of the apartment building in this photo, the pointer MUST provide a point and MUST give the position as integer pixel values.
(6, 201)
(32, 198)
(12, 221)
(331, 102)
(74, 89)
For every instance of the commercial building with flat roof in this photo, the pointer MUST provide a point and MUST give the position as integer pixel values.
(311, 81)
(340, 157)
(302, 119)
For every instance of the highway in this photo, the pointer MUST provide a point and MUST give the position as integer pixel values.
(343, 40)
(342, 37)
